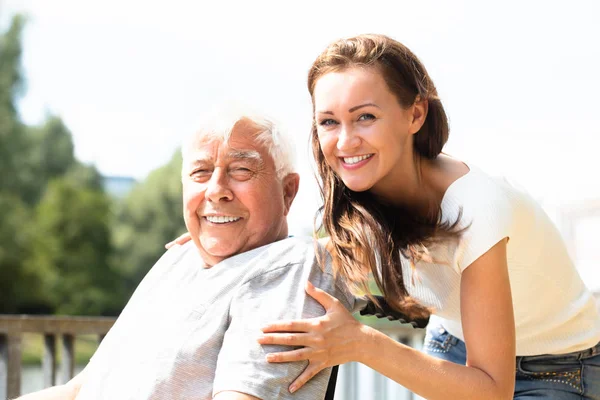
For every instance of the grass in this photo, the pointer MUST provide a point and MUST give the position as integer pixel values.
(33, 349)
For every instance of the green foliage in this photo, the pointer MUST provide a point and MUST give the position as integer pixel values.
(21, 284)
(150, 216)
(65, 246)
(47, 153)
(74, 242)
(12, 141)
(84, 176)
(55, 239)
(11, 78)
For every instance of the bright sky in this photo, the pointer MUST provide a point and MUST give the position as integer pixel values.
(519, 79)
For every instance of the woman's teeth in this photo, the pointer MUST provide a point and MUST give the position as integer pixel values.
(356, 159)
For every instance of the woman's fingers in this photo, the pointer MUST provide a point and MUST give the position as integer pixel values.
(309, 372)
(288, 356)
(300, 325)
(285, 339)
(324, 298)
(180, 240)
(183, 239)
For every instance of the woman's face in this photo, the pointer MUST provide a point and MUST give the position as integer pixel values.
(365, 134)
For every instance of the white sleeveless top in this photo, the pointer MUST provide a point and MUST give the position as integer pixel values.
(554, 312)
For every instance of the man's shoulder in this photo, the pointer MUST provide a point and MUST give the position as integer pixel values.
(294, 260)
(176, 256)
(292, 250)
(301, 251)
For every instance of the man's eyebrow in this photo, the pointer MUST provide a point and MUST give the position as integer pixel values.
(352, 109)
(250, 155)
(202, 159)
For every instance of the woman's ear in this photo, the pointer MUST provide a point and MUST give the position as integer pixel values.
(418, 114)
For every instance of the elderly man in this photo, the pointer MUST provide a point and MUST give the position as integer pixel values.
(190, 330)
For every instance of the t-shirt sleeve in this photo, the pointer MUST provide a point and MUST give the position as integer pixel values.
(275, 295)
(488, 215)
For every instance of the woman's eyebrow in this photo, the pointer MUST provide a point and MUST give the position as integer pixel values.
(363, 105)
(352, 109)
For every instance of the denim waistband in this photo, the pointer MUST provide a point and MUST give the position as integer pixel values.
(575, 355)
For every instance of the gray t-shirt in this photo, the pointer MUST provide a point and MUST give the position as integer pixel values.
(191, 332)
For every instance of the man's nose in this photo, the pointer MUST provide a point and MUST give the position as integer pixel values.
(347, 139)
(218, 187)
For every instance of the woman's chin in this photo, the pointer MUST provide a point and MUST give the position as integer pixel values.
(356, 186)
(359, 188)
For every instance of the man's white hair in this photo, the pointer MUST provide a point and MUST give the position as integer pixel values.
(220, 123)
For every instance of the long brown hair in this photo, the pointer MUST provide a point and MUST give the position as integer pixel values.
(368, 235)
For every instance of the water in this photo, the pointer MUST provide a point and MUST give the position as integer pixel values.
(32, 377)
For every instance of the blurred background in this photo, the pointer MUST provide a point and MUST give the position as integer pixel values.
(96, 96)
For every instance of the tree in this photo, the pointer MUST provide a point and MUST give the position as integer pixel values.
(12, 139)
(55, 243)
(150, 216)
(21, 282)
(74, 241)
(18, 285)
(48, 154)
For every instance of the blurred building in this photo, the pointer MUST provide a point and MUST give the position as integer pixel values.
(118, 186)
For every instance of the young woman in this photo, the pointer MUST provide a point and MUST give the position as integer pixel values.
(512, 316)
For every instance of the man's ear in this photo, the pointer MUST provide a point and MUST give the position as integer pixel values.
(291, 184)
(418, 114)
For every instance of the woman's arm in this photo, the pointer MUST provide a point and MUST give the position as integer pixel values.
(488, 326)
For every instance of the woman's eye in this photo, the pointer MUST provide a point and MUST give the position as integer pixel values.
(366, 117)
(327, 122)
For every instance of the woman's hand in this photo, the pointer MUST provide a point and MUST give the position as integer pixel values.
(180, 240)
(329, 340)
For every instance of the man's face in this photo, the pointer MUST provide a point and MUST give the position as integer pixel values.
(232, 198)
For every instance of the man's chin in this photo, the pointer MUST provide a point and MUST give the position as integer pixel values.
(213, 255)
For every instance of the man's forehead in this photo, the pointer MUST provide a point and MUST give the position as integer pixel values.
(211, 148)
(208, 154)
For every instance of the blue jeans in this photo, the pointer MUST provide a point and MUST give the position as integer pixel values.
(557, 377)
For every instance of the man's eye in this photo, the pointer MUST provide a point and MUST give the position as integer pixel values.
(241, 174)
(241, 171)
(199, 173)
(327, 122)
(366, 117)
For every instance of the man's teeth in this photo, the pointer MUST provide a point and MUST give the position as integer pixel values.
(221, 219)
(354, 160)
